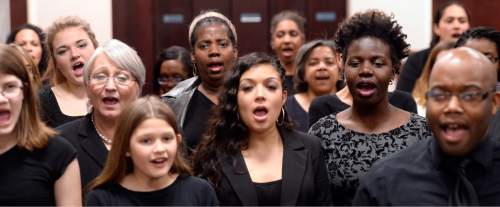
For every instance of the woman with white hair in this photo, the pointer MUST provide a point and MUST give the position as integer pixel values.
(113, 79)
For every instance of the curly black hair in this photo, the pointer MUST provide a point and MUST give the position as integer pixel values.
(481, 32)
(373, 23)
(44, 61)
(227, 134)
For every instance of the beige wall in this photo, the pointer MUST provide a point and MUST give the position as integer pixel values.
(4, 20)
(96, 12)
(414, 15)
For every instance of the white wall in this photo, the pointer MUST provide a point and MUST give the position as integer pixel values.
(414, 15)
(4, 20)
(97, 12)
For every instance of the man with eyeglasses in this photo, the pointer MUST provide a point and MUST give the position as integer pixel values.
(461, 165)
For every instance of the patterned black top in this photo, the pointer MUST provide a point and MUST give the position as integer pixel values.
(350, 154)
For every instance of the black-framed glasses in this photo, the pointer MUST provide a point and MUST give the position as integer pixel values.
(164, 80)
(467, 97)
(492, 58)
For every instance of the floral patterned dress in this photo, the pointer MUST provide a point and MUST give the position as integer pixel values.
(350, 154)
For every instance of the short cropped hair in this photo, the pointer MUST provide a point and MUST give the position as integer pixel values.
(123, 56)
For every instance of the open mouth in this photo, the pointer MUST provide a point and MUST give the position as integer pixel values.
(260, 113)
(110, 100)
(4, 115)
(322, 77)
(453, 132)
(77, 65)
(215, 67)
(287, 51)
(159, 160)
(456, 35)
(366, 88)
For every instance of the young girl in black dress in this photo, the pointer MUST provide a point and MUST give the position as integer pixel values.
(145, 165)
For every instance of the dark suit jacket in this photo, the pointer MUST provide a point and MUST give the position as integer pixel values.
(304, 178)
(91, 152)
(412, 70)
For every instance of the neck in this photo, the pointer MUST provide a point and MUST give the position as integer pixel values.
(371, 114)
(345, 95)
(104, 126)
(210, 92)
(7, 142)
(289, 68)
(264, 140)
(141, 183)
(77, 90)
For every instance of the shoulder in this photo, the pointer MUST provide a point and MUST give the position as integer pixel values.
(325, 100)
(70, 130)
(195, 182)
(324, 125)
(101, 196)
(181, 87)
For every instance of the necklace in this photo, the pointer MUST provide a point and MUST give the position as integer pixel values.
(103, 138)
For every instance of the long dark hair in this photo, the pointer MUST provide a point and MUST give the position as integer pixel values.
(227, 134)
(44, 61)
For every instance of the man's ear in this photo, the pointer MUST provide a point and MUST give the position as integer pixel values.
(496, 102)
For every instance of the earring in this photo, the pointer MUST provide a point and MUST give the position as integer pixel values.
(390, 82)
(195, 70)
(283, 119)
(127, 154)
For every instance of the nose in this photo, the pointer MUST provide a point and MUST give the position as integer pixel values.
(213, 50)
(75, 54)
(260, 93)
(366, 70)
(3, 99)
(110, 84)
(453, 106)
(28, 48)
(160, 146)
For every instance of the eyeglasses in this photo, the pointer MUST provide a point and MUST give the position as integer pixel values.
(11, 91)
(466, 97)
(164, 80)
(122, 79)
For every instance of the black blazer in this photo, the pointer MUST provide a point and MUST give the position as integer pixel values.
(304, 178)
(91, 152)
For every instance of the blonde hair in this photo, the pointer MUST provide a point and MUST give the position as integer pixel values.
(422, 83)
(30, 131)
(118, 165)
(59, 25)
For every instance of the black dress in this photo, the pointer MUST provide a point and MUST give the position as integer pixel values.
(331, 104)
(412, 70)
(27, 178)
(184, 191)
(298, 115)
(50, 110)
(92, 152)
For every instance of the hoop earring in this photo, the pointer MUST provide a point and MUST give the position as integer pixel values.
(280, 123)
(195, 70)
(237, 116)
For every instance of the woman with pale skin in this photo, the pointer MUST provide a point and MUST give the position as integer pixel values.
(251, 154)
(146, 165)
(113, 78)
(317, 75)
(71, 42)
(37, 167)
(287, 36)
(32, 39)
(449, 22)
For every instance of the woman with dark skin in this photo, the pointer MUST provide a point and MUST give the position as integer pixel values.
(317, 74)
(287, 36)
(449, 22)
(372, 46)
(251, 154)
(172, 66)
(213, 50)
(32, 39)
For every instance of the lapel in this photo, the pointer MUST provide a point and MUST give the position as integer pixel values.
(236, 171)
(90, 141)
(294, 165)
